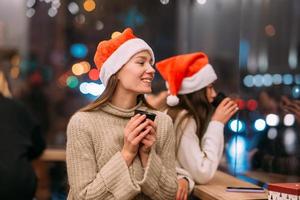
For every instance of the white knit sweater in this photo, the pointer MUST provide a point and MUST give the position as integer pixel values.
(96, 168)
(201, 162)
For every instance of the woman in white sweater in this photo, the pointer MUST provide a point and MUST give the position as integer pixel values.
(198, 127)
(111, 152)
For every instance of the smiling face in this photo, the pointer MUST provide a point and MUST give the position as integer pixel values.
(210, 93)
(137, 74)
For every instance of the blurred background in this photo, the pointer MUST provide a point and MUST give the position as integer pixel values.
(47, 49)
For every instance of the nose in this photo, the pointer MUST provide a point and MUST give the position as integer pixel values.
(150, 69)
(214, 93)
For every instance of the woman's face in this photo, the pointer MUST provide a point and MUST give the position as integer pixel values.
(137, 74)
(210, 93)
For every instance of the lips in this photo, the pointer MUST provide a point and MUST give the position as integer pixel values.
(147, 80)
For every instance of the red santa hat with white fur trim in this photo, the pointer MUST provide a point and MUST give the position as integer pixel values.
(185, 74)
(111, 55)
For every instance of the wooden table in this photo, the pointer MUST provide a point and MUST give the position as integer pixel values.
(216, 189)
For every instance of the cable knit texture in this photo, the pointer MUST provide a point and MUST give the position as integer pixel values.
(96, 168)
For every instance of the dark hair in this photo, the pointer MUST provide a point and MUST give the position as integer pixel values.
(198, 107)
(107, 95)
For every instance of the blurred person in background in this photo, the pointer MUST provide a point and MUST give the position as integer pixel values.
(21, 142)
(278, 148)
(198, 126)
(111, 152)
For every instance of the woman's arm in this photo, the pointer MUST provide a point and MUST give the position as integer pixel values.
(202, 162)
(86, 180)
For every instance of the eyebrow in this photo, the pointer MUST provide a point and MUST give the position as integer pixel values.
(144, 57)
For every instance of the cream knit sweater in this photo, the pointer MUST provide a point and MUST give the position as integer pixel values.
(96, 168)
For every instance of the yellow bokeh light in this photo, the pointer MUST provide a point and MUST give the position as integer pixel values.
(89, 5)
(86, 66)
(115, 34)
(78, 69)
(14, 72)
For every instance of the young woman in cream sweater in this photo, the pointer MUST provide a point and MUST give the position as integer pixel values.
(112, 153)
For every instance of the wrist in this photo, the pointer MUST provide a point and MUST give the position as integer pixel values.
(128, 157)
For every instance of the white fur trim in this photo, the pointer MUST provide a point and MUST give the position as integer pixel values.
(172, 100)
(201, 79)
(121, 56)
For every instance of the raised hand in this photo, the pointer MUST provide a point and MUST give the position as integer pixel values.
(225, 110)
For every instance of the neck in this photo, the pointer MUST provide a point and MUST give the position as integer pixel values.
(124, 99)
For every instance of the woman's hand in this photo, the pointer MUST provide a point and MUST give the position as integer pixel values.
(225, 110)
(182, 191)
(147, 142)
(134, 133)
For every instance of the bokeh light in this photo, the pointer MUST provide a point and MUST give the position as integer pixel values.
(236, 126)
(289, 120)
(260, 124)
(73, 8)
(272, 119)
(78, 50)
(94, 74)
(72, 81)
(296, 92)
(89, 5)
(272, 133)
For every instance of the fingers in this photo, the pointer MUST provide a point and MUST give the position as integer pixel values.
(135, 121)
(181, 194)
(138, 138)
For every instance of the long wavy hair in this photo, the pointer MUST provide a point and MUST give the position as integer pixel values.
(198, 107)
(107, 94)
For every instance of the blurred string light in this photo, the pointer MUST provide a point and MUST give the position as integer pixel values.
(52, 12)
(164, 2)
(89, 5)
(258, 80)
(270, 30)
(289, 140)
(91, 88)
(30, 12)
(73, 8)
(81, 68)
(80, 19)
(72, 82)
(287, 79)
(289, 120)
(272, 133)
(251, 105)
(237, 154)
(267, 80)
(236, 126)
(30, 3)
(79, 50)
(277, 79)
(99, 25)
(202, 2)
(272, 119)
(248, 81)
(296, 92)
(297, 79)
(94, 74)
(293, 58)
(241, 104)
(260, 125)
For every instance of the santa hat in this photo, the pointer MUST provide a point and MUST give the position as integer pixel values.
(111, 55)
(185, 74)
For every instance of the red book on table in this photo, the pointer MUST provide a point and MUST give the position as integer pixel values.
(287, 188)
